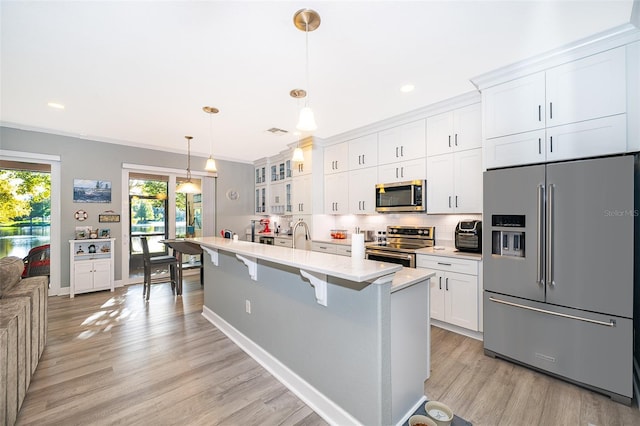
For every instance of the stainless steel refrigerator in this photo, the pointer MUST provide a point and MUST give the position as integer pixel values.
(558, 258)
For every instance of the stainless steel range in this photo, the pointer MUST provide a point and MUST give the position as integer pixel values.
(401, 245)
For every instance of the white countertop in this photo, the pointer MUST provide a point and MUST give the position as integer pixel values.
(409, 276)
(358, 270)
(449, 251)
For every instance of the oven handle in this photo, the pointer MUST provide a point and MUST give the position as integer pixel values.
(392, 255)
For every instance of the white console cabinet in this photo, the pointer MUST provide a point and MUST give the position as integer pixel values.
(91, 265)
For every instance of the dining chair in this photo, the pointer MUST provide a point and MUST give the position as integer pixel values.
(151, 262)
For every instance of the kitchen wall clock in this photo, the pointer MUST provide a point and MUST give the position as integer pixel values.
(232, 194)
(80, 215)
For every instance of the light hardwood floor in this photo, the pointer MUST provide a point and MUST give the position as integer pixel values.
(111, 358)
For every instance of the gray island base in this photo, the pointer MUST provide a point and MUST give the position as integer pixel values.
(350, 337)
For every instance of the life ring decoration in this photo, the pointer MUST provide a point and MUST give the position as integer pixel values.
(81, 215)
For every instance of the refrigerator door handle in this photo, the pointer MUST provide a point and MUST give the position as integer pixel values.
(550, 203)
(540, 232)
(611, 323)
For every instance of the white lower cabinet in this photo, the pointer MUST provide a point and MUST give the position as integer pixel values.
(454, 290)
(91, 265)
(339, 249)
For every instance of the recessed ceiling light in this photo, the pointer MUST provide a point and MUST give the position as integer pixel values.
(406, 88)
(55, 105)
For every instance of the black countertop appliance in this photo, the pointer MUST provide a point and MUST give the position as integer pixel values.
(468, 236)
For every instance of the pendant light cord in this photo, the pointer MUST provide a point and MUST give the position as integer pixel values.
(306, 40)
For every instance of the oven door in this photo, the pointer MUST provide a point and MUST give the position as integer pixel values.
(404, 259)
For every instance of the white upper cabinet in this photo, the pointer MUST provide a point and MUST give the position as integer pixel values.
(402, 143)
(514, 107)
(362, 192)
(403, 171)
(336, 158)
(455, 130)
(303, 168)
(574, 110)
(302, 195)
(454, 182)
(336, 193)
(363, 152)
(589, 88)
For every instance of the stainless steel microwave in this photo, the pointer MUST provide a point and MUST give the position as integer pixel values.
(407, 196)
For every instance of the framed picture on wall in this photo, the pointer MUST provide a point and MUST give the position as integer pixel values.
(91, 191)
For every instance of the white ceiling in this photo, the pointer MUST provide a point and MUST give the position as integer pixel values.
(139, 72)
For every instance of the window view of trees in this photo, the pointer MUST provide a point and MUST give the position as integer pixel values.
(25, 211)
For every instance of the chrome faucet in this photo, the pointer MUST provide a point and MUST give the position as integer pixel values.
(307, 235)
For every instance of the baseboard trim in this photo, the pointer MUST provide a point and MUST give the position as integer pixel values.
(316, 400)
(411, 411)
(455, 329)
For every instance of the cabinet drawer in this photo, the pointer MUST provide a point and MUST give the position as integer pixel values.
(343, 250)
(323, 247)
(283, 242)
(462, 266)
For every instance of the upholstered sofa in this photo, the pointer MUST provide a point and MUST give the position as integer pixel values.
(23, 333)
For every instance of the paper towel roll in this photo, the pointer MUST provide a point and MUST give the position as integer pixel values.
(357, 246)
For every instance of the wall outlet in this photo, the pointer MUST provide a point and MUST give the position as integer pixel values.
(247, 306)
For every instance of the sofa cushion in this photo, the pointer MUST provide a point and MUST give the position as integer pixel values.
(11, 268)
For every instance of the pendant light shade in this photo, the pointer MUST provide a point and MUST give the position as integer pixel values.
(306, 20)
(307, 121)
(211, 163)
(298, 155)
(188, 187)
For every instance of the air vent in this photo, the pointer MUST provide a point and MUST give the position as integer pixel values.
(277, 131)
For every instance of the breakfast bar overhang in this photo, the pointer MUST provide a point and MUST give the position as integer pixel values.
(350, 337)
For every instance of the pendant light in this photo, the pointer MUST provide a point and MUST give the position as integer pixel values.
(298, 155)
(211, 163)
(188, 187)
(306, 20)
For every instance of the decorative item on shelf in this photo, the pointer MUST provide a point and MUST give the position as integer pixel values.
(80, 215)
(105, 248)
(211, 163)
(92, 248)
(306, 20)
(82, 232)
(80, 251)
(105, 233)
(188, 187)
(93, 233)
(108, 216)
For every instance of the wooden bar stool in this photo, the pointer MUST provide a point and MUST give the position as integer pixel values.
(157, 261)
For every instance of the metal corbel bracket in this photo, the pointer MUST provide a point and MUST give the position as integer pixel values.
(319, 283)
(252, 264)
(213, 253)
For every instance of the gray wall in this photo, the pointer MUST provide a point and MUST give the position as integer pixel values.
(342, 349)
(86, 159)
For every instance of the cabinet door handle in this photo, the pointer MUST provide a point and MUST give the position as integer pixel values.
(440, 283)
(396, 152)
(336, 164)
(396, 171)
(449, 141)
(402, 151)
(444, 264)
(456, 201)
(456, 139)
(446, 284)
(401, 171)
(539, 112)
(363, 205)
(551, 143)
(449, 201)
(363, 159)
(539, 145)
(550, 110)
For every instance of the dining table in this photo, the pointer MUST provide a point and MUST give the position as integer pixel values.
(180, 247)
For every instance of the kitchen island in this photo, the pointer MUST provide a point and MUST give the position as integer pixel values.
(350, 337)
